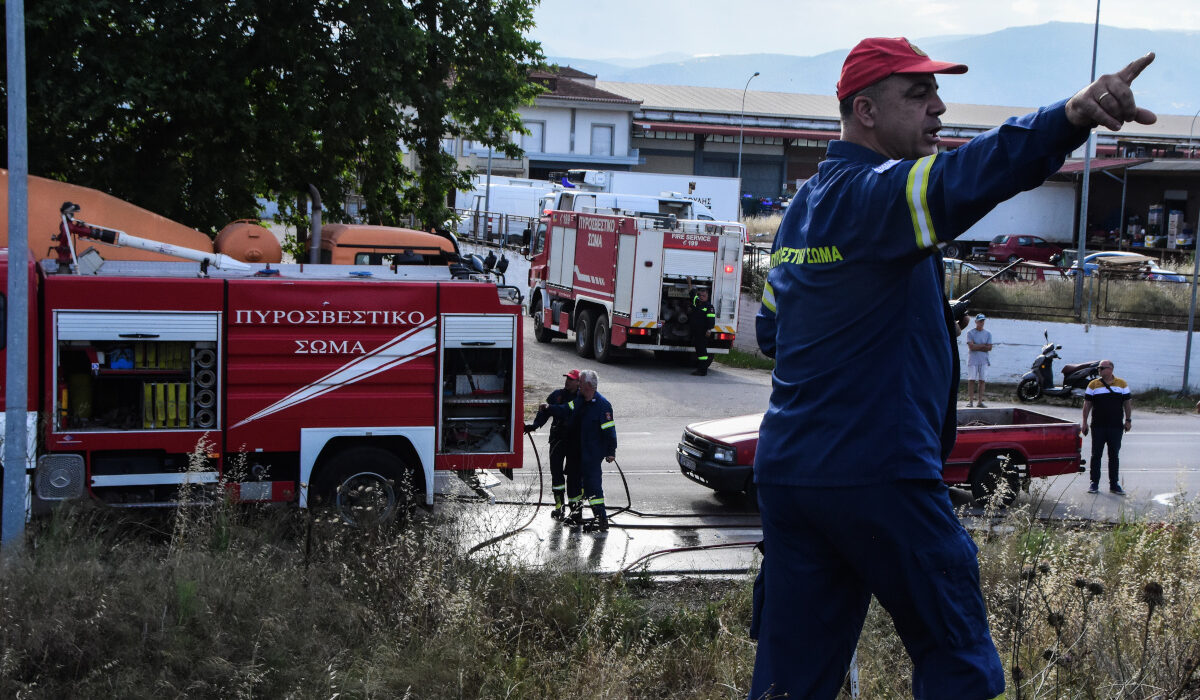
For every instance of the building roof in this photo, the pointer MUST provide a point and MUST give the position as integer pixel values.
(768, 106)
(566, 83)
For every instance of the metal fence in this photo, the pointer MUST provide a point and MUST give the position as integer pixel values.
(1110, 298)
(504, 230)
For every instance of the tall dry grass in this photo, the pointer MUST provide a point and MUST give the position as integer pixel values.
(237, 602)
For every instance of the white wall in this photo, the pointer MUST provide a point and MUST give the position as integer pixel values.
(558, 126)
(619, 120)
(1144, 357)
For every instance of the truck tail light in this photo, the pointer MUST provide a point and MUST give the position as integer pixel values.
(639, 331)
(729, 269)
(724, 336)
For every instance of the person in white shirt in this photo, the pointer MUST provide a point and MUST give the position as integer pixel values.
(979, 344)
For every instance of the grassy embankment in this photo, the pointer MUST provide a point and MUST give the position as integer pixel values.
(238, 603)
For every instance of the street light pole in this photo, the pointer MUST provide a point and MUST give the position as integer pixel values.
(741, 129)
(1192, 146)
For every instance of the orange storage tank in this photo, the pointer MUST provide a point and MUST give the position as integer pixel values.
(248, 241)
(47, 196)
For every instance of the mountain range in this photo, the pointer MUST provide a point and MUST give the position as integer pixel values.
(1017, 66)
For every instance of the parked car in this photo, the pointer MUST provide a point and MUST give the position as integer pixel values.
(1012, 445)
(1009, 248)
(1142, 266)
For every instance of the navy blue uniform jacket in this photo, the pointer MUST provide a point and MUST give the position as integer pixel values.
(853, 309)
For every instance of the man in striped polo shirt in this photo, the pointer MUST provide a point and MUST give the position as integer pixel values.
(1110, 405)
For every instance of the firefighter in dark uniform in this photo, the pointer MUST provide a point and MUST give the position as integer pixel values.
(852, 500)
(701, 320)
(592, 416)
(560, 444)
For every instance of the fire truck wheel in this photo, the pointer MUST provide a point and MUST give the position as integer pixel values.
(366, 486)
(540, 332)
(986, 477)
(583, 334)
(602, 340)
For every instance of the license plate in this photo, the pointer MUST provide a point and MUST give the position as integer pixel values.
(687, 463)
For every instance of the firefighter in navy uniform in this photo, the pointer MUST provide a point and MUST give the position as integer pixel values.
(701, 320)
(590, 416)
(561, 444)
(852, 499)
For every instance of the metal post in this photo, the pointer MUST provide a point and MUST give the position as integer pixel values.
(1187, 357)
(741, 128)
(1087, 181)
(487, 198)
(1192, 146)
(16, 390)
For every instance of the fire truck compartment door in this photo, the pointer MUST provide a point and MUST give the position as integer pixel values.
(688, 263)
(137, 325)
(626, 251)
(479, 330)
(726, 290)
(562, 256)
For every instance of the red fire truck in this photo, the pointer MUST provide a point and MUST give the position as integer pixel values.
(343, 384)
(622, 281)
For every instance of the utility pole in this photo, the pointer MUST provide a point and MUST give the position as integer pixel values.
(16, 387)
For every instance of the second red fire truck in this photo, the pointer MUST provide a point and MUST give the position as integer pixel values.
(622, 281)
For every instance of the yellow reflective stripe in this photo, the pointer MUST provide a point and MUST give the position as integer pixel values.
(609, 424)
(768, 297)
(918, 204)
(596, 502)
(571, 405)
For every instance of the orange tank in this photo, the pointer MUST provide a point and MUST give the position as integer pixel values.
(99, 209)
(249, 242)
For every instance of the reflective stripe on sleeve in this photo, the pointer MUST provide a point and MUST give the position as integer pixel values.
(768, 297)
(571, 405)
(605, 426)
(596, 502)
(918, 204)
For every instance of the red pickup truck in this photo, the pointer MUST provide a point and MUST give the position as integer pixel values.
(994, 444)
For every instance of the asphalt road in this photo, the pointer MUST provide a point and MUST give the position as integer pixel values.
(653, 400)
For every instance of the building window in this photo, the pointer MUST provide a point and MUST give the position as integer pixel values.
(535, 140)
(602, 139)
(448, 146)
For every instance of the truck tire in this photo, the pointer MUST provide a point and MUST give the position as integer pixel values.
(540, 332)
(366, 486)
(951, 251)
(987, 475)
(583, 334)
(1029, 390)
(602, 340)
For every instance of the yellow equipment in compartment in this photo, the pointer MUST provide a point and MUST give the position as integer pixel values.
(165, 405)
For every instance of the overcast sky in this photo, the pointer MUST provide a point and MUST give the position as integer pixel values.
(606, 29)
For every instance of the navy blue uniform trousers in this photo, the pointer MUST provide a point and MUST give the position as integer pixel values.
(832, 548)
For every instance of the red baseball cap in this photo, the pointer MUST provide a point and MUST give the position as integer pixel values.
(874, 59)
(573, 374)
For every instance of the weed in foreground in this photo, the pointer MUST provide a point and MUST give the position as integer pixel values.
(282, 604)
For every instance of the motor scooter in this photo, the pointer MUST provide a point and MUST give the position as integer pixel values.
(1039, 381)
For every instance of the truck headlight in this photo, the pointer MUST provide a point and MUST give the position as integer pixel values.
(724, 454)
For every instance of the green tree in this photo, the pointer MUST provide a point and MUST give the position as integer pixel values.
(192, 110)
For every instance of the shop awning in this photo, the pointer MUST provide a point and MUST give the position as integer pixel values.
(1098, 164)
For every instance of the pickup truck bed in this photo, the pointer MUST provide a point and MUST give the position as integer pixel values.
(994, 445)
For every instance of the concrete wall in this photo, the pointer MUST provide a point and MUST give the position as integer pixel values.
(1144, 357)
